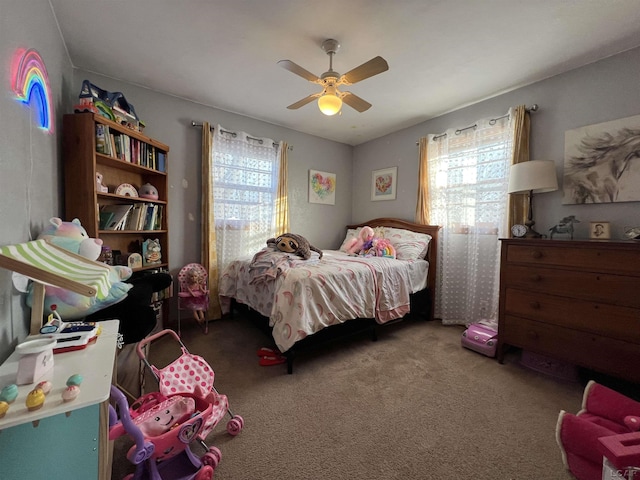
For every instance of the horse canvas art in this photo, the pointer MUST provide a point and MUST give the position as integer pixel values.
(602, 163)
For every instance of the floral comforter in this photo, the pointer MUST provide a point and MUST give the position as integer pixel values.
(302, 297)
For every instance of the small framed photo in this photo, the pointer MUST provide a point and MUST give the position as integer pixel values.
(599, 230)
(383, 184)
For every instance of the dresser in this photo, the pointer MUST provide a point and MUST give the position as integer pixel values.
(573, 300)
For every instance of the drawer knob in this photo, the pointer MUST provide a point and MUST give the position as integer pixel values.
(536, 277)
(536, 254)
(535, 305)
(532, 334)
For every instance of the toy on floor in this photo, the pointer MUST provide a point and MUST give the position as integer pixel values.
(194, 292)
(163, 424)
(481, 337)
(608, 425)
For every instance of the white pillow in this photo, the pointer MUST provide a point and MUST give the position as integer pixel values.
(409, 245)
(351, 233)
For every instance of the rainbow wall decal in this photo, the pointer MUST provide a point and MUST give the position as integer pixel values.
(30, 83)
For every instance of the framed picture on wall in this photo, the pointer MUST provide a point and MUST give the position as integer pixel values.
(599, 230)
(383, 184)
(322, 187)
(599, 163)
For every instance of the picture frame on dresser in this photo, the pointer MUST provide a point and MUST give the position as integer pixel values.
(599, 230)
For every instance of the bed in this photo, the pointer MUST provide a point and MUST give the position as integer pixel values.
(301, 299)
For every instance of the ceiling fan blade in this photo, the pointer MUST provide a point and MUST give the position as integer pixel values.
(304, 101)
(298, 70)
(367, 69)
(355, 102)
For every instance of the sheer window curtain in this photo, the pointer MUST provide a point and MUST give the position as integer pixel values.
(244, 199)
(467, 172)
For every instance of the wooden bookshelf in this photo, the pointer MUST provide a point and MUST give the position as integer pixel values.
(83, 200)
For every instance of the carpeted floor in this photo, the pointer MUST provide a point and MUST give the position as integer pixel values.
(413, 405)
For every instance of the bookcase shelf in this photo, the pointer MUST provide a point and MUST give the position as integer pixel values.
(83, 200)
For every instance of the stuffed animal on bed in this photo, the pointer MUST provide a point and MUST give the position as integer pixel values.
(378, 247)
(292, 243)
(354, 245)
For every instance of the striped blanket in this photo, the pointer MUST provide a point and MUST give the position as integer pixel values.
(44, 262)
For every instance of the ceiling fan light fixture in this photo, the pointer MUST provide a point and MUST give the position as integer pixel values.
(329, 104)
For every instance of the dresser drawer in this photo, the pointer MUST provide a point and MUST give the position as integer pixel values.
(599, 287)
(612, 321)
(607, 355)
(589, 256)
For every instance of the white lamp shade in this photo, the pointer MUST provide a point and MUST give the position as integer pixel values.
(538, 176)
(329, 104)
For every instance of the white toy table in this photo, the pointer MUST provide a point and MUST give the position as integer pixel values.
(69, 441)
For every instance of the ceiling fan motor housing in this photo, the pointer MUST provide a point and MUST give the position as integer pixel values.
(330, 46)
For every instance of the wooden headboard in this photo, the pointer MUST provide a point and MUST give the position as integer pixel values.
(432, 252)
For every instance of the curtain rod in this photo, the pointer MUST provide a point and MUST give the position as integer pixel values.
(532, 108)
(195, 124)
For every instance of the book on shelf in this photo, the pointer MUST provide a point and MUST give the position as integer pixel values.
(103, 139)
(112, 142)
(162, 162)
(105, 219)
(100, 138)
(150, 220)
(119, 215)
(133, 219)
(158, 224)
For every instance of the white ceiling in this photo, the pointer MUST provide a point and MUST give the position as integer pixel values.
(442, 54)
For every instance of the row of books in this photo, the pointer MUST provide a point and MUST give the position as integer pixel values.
(122, 146)
(137, 216)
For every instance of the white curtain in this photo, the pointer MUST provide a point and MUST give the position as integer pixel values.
(245, 180)
(468, 177)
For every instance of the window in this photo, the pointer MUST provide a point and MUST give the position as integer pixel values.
(245, 179)
(468, 177)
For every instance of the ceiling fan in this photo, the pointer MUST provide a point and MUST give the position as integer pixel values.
(330, 99)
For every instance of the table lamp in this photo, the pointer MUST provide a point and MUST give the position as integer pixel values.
(534, 176)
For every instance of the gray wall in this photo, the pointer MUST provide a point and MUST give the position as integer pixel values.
(30, 173)
(599, 92)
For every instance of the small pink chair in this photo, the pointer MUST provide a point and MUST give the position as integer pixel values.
(608, 425)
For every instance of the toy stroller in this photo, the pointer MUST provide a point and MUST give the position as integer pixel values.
(163, 424)
(194, 293)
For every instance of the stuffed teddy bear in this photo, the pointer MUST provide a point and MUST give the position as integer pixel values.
(604, 413)
(292, 243)
(70, 305)
(354, 245)
(129, 298)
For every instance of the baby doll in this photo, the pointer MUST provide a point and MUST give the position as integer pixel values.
(197, 301)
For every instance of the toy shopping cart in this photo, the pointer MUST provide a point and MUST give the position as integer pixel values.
(164, 424)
